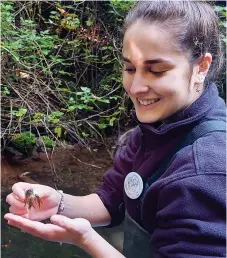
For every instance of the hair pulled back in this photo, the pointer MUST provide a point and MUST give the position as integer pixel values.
(193, 24)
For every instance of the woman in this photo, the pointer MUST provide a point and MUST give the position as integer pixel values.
(169, 179)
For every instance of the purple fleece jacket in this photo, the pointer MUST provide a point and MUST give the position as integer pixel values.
(184, 210)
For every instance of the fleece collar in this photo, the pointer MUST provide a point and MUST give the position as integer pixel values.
(193, 113)
(180, 122)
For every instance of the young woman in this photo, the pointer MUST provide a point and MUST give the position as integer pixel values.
(168, 182)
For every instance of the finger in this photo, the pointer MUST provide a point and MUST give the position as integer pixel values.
(62, 221)
(75, 226)
(17, 211)
(38, 229)
(20, 188)
(10, 216)
(12, 200)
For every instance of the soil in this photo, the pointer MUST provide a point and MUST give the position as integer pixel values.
(75, 169)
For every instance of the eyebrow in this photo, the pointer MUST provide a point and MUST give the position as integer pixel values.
(153, 61)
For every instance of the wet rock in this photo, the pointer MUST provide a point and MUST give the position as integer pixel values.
(35, 154)
(70, 147)
(43, 149)
(40, 146)
(39, 143)
(15, 154)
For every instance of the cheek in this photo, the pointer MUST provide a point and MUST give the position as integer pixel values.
(164, 87)
(171, 86)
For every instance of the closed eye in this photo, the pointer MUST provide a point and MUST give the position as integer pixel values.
(133, 70)
(130, 70)
(157, 73)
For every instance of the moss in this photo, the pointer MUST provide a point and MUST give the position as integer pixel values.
(24, 142)
(48, 142)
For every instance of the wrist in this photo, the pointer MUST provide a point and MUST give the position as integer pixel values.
(98, 247)
(61, 205)
(88, 241)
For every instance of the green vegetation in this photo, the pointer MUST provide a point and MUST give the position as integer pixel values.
(221, 10)
(61, 75)
(48, 142)
(61, 67)
(24, 142)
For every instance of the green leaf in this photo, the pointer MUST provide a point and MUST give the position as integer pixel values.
(89, 22)
(102, 126)
(54, 120)
(85, 107)
(111, 123)
(114, 97)
(85, 89)
(19, 113)
(104, 100)
(85, 134)
(71, 108)
(57, 114)
(45, 52)
(58, 131)
(79, 93)
(38, 115)
(48, 142)
(8, 7)
(5, 91)
(62, 89)
(219, 8)
(54, 12)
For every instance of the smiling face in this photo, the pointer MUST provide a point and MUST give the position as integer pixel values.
(157, 76)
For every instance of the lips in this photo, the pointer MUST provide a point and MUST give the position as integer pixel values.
(148, 102)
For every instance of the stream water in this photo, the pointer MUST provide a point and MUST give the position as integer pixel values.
(76, 171)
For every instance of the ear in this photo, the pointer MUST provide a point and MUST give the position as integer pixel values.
(202, 68)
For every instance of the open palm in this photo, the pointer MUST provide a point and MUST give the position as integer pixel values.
(62, 229)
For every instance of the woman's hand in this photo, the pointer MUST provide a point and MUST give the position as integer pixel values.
(64, 230)
(49, 197)
(71, 231)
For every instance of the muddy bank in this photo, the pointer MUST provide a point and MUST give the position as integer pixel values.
(74, 169)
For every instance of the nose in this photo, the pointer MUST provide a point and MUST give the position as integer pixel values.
(138, 85)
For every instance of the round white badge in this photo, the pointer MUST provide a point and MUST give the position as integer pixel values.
(133, 185)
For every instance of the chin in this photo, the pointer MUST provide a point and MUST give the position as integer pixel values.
(147, 119)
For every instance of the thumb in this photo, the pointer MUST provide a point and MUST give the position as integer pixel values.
(20, 189)
(77, 226)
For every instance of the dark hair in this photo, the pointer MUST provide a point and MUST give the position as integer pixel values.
(194, 24)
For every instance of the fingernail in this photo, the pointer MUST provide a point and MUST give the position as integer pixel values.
(53, 219)
(56, 217)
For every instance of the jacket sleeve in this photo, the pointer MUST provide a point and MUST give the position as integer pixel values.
(191, 217)
(111, 190)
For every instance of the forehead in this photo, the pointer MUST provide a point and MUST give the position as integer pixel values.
(144, 41)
